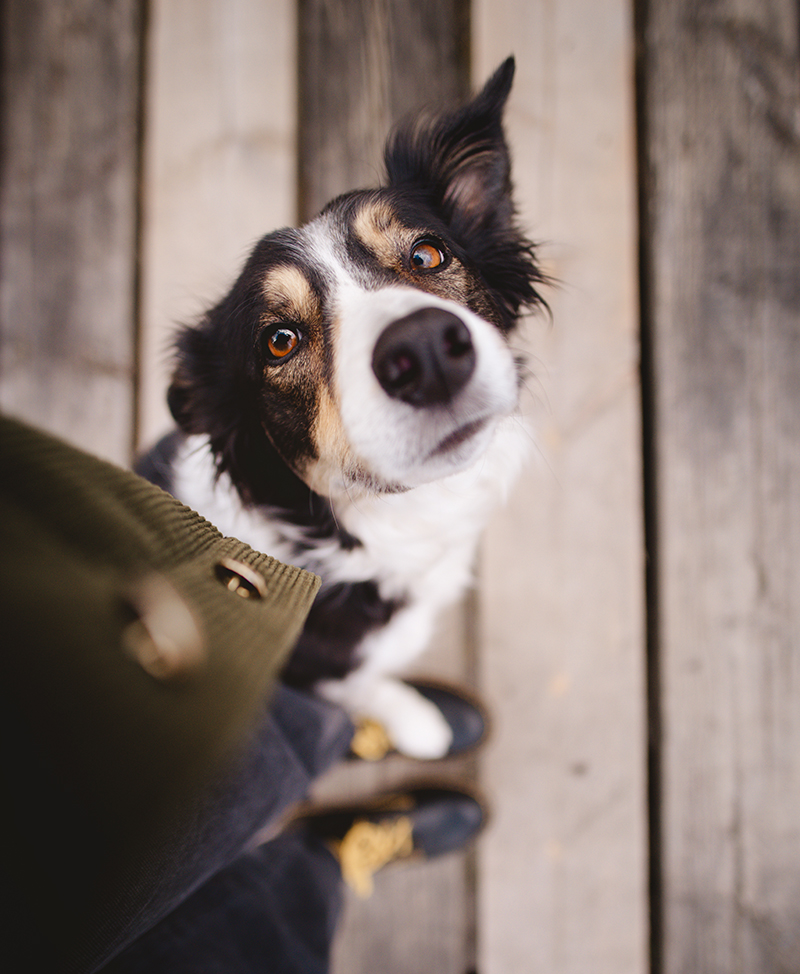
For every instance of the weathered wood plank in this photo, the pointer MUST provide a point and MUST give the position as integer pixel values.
(365, 64)
(68, 218)
(722, 105)
(219, 162)
(563, 870)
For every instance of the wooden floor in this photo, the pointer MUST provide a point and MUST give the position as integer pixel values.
(634, 623)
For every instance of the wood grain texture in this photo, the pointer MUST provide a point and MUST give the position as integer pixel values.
(722, 103)
(563, 870)
(69, 216)
(363, 65)
(219, 163)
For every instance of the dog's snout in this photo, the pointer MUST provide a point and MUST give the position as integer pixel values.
(424, 358)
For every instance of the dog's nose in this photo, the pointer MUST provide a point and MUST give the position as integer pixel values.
(425, 358)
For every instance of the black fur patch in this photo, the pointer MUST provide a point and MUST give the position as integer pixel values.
(459, 164)
(218, 390)
(340, 618)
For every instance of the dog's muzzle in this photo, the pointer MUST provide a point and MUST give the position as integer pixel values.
(425, 358)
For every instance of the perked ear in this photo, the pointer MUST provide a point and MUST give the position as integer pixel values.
(460, 159)
(459, 162)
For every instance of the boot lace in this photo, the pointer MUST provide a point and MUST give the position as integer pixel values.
(368, 846)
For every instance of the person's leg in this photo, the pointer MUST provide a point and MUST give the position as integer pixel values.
(273, 909)
(298, 739)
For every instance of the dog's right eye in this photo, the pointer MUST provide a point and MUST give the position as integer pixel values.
(279, 343)
(427, 255)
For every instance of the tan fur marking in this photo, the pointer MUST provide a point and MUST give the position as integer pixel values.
(331, 443)
(378, 228)
(288, 292)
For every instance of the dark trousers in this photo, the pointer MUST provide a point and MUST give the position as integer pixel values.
(200, 898)
(273, 908)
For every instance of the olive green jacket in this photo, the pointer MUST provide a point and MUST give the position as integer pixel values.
(137, 646)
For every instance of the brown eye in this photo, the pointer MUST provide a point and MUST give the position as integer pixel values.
(281, 342)
(427, 256)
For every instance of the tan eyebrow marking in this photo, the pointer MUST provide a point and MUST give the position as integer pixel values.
(289, 293)
(378, 228)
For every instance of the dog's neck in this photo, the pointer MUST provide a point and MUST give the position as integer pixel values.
(263, 480)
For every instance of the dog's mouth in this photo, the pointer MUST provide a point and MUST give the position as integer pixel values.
(455, 439)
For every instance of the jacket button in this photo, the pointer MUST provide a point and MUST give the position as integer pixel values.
(240, 578)
(164, 638)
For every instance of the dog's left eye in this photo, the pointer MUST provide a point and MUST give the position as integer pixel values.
(279, 343)
(426, 255)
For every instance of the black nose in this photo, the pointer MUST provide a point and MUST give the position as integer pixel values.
(424, 358)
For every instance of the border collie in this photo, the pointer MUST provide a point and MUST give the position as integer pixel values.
(351, 405)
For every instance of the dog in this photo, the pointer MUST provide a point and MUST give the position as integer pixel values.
(351, 405)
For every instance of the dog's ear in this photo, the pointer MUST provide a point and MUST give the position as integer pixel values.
(460, 159)
(207, 394)
(459, 163)
(188, 391)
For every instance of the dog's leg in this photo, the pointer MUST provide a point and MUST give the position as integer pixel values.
(415, 726)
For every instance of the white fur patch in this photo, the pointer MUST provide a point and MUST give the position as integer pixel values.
(415, 726)
(394, 442)
(399, 443)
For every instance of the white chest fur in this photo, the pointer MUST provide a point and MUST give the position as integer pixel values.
(418, 547)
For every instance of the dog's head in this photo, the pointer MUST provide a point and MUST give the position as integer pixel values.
(369, 347)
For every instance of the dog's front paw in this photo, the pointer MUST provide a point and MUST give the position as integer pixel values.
(414, 725)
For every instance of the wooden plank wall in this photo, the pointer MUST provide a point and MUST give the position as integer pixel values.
(364, 63)
(219, 162)
(562, 874)
(133, 185)
(68, 221)
(722, 163)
